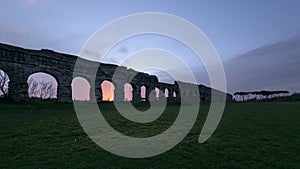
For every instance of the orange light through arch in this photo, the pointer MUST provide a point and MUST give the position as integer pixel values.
(107, 91)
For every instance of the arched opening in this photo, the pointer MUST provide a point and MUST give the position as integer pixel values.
(166, 92)
(174, 94)
(143, 93)
(107, 91)
(4, 80)
(80, 89)
(42, 86)
(128, 92)
(157, 93)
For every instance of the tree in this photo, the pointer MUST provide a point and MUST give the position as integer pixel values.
(237, 94)
(32, 88)
(242, 95)
(42, 89)
(3, 84)
(256, 95)
(282, 92)
(261, 95)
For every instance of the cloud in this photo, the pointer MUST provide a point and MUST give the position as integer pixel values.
(273, 66)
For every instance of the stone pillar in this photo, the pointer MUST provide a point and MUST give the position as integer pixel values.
(98, 94)
(93, 97)
(64, 93)
(161, 93)
(64, 90)
(189, 93)
(18, 88)
(147, 94)
(152, 94)
(119, 92)
(195, 97)
(171, 96)
(178, 97)
(136, 93)
(190, 96)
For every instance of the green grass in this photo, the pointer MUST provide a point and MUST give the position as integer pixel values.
(250, 135)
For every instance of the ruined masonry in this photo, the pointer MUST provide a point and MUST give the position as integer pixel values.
(20, 63)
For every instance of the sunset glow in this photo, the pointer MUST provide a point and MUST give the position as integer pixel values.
(80, 89)
(107, 91)
(143, 92)
(127, 92)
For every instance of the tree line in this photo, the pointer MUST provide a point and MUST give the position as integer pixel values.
(259, 95)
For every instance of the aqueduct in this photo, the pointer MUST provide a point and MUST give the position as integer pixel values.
(20, 63)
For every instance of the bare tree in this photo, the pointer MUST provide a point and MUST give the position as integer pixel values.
(3, 84)
(47, 90)
(42, 89)
(32, 88)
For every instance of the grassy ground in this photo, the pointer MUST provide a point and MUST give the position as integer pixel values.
(250, 135)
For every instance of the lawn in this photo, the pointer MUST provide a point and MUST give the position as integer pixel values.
(250, 135)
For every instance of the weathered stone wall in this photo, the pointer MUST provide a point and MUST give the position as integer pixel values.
(20, 63)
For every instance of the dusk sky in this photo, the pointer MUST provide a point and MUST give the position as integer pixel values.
(258, 41)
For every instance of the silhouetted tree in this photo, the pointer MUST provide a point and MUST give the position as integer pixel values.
(265, 94)
(256, 94)
(260, 95)
(241, 95)
(3, 84)
(42, 89)
(237, 94)
(283, 92)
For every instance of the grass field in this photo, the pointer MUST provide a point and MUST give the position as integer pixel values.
(250, 135)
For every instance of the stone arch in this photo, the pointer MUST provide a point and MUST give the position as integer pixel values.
(107, 88)
(174, 94)
(157, 93)
(136, 92)
(166, 91)
(128, 92)
(177, 95)
(42, 85)
(144, 90)
(81, 88)
(4, 83)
